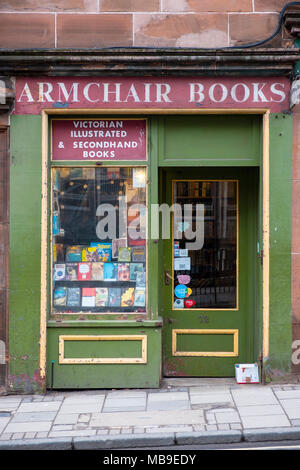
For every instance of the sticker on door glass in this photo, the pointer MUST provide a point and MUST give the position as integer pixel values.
(182, 264)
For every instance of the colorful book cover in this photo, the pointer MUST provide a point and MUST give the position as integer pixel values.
(104, 251)
(97, 272)
(123, 272)
(124, 254)
(110, 271)
(88, 297)
(60, 297)
(84, 271)
(134, 269)
(138, 253)
(59, 272)
(114, 297)
(116, 244)
(71, 271)
(127, 297)
(140, 297)
(141, 279)
(73, 254)
(101, 296)
(58, 253)
(90, 254)
(73, 297)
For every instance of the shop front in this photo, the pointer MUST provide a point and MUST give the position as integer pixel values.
(149, 229)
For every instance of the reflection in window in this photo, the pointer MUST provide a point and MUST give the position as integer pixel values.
(98, 239)
(205, 277)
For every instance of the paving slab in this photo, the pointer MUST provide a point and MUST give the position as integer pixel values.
(34, 416)
(147, 418)
(230, 417)
(254, 397)
(36, 426)
(79, 408)
(286, 394)
(266, 421)
(177, 396)
(84, 398)
(39, 406)
(124, 404)
(211, 398)
(127, 393)
(62, 418)
(3, 423)
(260, 410)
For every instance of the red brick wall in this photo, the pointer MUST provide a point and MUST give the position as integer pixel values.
(104, 23)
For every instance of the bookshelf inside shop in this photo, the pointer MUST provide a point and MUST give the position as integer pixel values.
(211, 272)
(98, 239)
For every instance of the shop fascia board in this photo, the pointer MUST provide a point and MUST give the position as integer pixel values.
(137, 61)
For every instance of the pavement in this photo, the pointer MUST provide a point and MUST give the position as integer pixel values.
(185, 411)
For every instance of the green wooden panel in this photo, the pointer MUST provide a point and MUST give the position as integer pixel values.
(105, 375)
(210, 140)
(279, 359)
(204, 342)
(95, 349)
(25, 259)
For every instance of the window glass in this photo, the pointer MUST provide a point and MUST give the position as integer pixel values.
(205, 244)
(98, 239)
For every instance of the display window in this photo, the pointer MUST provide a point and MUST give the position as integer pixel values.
(99, 249)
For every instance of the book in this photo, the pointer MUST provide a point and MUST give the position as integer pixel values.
(58, 253)
(116, 244)
(134, 269)
(88, 297)
(127, 297)
(73, 297)
(101, 296)
(90, 254)
(84, 271)
(104, 251)
(97, 272)
(124, 254)
(110, 271)
(73, 253)
(140, 297)
(59, 272)
(60, 297)
(114, 297)
(140, 279)
(123, 272)
(138, 253)
(71, 272)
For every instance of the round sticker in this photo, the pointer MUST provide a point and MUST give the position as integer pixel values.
(181, 291)
(183, 278)
(189, 303)
(189, 292)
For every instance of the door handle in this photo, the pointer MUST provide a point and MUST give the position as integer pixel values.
(167, 277)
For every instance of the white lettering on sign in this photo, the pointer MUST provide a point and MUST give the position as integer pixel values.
(98, 138)
(174, 92)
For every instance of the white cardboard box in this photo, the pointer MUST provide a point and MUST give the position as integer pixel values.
(246, 373)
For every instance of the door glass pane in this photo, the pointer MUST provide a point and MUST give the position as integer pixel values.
(98, 239)
(205, 244)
